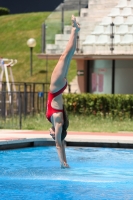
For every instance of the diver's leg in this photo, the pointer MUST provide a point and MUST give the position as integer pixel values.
(61, 69)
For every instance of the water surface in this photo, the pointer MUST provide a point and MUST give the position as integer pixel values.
(94, 174)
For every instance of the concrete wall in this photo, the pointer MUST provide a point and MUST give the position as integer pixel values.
(81, 66)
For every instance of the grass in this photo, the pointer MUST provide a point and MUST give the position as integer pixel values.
(96, 124)
(15, 30)
(77, 123)
(82, 123)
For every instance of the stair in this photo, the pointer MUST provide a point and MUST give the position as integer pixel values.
(121, 15)
(89, 18)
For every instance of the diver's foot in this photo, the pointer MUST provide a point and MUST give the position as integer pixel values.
(74, 23)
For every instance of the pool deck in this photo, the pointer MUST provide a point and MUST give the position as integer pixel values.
(21, 138)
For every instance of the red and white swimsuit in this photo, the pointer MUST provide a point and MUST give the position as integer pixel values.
(50, 110)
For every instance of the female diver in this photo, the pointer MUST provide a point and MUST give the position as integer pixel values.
(55, 110)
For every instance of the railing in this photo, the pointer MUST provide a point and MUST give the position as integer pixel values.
(28, 99)
(56, 21)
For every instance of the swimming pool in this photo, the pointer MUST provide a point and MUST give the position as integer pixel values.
(94, 174)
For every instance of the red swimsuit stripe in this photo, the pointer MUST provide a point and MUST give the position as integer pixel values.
(50, 111)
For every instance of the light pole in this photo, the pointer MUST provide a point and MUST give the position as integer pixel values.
(31, 43)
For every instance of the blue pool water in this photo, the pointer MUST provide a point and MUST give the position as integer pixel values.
(94, 174)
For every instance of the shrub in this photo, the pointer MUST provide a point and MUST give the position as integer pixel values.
(114, 106)
(4, 11)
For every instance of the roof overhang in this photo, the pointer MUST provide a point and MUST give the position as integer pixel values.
(88, 56)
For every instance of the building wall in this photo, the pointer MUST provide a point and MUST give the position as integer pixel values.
(104, 68)
(82, 78)
(101, 76)
(124, 77)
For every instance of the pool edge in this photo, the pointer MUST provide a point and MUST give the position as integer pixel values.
(36, 142)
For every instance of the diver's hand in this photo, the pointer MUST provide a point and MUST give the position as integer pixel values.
(52, 135)
(52, 132)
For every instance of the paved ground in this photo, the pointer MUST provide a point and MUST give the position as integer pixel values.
(91, 137)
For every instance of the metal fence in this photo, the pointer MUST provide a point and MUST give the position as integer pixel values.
(24, 99)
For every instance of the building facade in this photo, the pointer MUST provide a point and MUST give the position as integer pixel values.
(104, 53)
